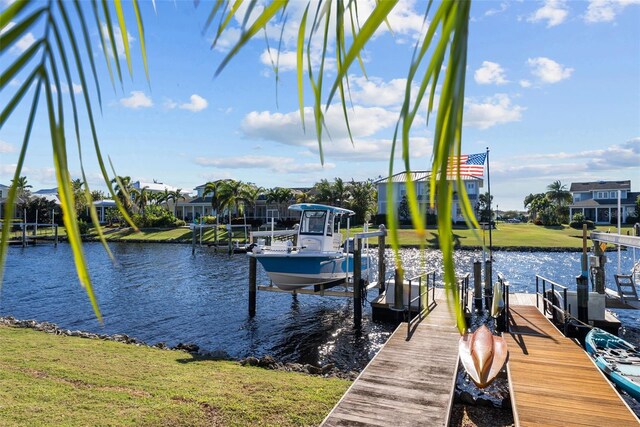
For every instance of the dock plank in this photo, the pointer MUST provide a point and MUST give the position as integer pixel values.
(407, 382)
(553, 382)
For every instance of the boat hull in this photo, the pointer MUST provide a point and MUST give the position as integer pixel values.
(298, 270)
(618, 359)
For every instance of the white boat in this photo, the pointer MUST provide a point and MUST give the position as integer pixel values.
(313, 253)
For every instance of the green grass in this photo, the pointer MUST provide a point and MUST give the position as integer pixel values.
(59, 380)
(505, 235)
(509, 236)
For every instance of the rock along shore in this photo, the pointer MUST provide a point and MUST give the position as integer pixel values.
(267, 362)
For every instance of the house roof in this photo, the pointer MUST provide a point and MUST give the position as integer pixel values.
(154, 186)
(53, 190)
(422, 176)
(600, 185)
(404, 177)
(598, 203)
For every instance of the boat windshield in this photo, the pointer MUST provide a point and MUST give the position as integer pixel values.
(313, 222)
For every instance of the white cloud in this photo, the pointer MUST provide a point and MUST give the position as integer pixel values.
(492, 111)
(503, 7)
(554, 12)
(117, 35)
(548, 70)
(5, 147)
(490, 73)
(287, 129)
(525, 83)
(137, 100)
(227, 39)
(23, 43)
(169, 104)
(588, 164)
(272, 163)
(196, 104)
(365, 124)
(606, 10)
(376, 92)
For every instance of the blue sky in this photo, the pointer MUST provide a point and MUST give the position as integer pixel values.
(553, 89)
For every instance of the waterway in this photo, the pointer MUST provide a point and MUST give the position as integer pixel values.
(163, 293)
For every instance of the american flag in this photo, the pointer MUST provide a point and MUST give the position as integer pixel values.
(470, 164)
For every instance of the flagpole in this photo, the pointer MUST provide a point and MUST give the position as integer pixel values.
(490, 214)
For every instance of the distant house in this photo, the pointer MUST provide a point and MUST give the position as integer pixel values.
(598, 201)
(421, 179)
(200, 205)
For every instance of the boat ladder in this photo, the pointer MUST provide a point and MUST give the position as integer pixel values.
(626, 287)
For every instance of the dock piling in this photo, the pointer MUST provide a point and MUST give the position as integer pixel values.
(488, 281)
(381, 265)
(357, 300)
(398, 294)
(477, 285)
(252, 286)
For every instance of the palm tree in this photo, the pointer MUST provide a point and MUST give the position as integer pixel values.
(339, 192)
(279, 196)
(22, 187)
(557, 192)
(253, 192)
(324, 192)
(142, 197)
(123, 188)
(175, 197)
(363, 198)
(440, 60)
(213, 188)
(233, 195)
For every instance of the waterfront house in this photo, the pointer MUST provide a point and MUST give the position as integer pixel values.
(598, 201)
(473, 184)
(198, 206)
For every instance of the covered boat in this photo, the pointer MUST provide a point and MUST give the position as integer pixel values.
(313, 253)
(617, 358)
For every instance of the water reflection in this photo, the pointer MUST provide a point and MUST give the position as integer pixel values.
(160, 292)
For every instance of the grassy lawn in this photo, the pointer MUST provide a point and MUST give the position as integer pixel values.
(505, 235)
(508, 235)
(58, 380)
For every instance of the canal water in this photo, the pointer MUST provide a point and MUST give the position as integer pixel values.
(163, 293)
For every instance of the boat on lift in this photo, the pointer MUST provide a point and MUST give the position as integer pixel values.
(312, 254)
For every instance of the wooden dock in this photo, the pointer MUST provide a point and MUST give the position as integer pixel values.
(407, 382)
(553, 382)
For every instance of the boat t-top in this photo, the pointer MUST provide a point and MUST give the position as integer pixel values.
(312, 254)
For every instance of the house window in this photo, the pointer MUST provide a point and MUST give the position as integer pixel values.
(613, 194)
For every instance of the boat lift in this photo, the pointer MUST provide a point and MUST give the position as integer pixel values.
(357, 281)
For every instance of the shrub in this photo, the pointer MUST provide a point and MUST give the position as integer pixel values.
(155, 216)
(631, 219)
(208, 219)
(83, 226)
(578, 224)
(579, 217)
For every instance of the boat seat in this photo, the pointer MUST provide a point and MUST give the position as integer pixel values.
(626, 287)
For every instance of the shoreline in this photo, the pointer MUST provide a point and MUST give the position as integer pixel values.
(267, 362)
(373, 245)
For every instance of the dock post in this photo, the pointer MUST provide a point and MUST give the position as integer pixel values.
(193, 239)
(24, 235)
(488, 280)
(357, 292)
(381, 265)
(582, 282)
(477, 285)
(398, 294)
(55, 239)
(598, 267)
(252, 286)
